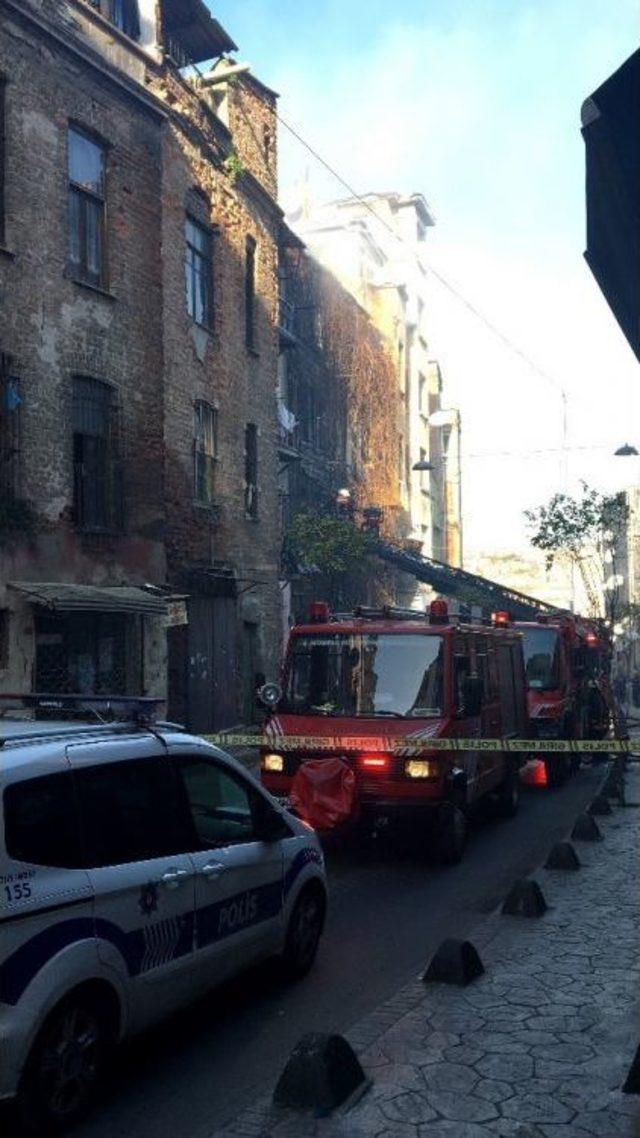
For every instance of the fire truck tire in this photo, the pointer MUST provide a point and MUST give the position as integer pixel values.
(507, 796)
(449, 834)
(557, 769)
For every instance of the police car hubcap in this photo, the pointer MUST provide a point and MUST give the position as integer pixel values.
(307, 929)
(69, 1063)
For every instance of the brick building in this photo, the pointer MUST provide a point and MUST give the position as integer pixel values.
(137, 416)
(338, 405)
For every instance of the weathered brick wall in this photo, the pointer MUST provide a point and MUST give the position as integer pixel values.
(218, 366)
(55, 328)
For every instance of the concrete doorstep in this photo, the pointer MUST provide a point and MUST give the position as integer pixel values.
(538, 1046)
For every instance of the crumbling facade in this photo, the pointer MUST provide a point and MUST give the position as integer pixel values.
(138, 334)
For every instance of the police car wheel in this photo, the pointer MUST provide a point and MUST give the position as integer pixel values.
(507, 798)
(303, 934)
(65, 1067)
(450, 834)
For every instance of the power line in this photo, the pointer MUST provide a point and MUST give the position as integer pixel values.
(502, 336)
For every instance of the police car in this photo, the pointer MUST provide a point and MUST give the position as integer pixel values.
(139, 866)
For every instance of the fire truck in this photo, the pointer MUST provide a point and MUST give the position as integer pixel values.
(568, 694)
(367, 700)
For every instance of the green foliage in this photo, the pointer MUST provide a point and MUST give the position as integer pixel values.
(234, 167)
(16, 516)
(566, 525)
(327, 544)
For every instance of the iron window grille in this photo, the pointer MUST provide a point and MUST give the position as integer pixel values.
(250, 292)
(87, 206)
(251, 470)
(3, 157)
(199, 272)
(97, 471)
(205, 452)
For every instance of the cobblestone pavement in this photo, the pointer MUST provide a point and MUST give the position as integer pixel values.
(538, 1047)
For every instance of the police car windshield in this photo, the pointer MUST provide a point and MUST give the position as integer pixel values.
(377, 674)
(541, 658)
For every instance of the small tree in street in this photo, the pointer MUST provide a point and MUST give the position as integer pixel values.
(334, 550)
(588, 532)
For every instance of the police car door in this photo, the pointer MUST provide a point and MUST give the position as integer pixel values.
(136, 840)
(239, 878)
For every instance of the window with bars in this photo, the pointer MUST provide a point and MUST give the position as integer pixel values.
(97, 481)
(250, 293)
(87, 204)
(205, 452)
(251, 470)
(199, 272)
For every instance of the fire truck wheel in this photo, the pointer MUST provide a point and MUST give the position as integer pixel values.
(557, 769)
(449, 833)
(507, 796)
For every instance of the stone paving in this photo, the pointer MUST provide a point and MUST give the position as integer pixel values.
(538, 1047)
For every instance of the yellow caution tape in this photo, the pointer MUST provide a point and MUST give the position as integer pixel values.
(412, 745)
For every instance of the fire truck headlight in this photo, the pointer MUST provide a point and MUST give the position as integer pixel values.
(420, 768)
(273, 763)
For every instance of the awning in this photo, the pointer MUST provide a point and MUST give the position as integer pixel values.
(199, 34)
(64, 597)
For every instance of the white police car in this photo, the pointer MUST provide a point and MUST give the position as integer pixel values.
(138, 867)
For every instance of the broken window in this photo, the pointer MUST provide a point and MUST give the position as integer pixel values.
(205, 452)
(96, 466)
(86, 167)
(251, 470)
(250, 292)
(199, 270)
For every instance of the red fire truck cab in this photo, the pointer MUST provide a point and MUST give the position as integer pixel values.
(381, 678)
(564, 666)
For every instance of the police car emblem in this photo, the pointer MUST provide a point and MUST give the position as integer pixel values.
(148, 899)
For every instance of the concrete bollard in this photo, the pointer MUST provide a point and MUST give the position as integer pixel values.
(599, 806)
(454, 962)
(586, 829)
(562, 856)
(321, 1073)
(632, 1082)
(525, 899)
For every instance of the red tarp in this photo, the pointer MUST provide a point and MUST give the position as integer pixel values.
(323, 792)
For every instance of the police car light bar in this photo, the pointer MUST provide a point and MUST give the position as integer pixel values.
(139, 707)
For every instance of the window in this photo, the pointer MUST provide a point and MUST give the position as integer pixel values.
(199, 271)
(10, 404)
(422, 391)
(250, 292)
(88, 652)
(130, 812)
(86, 165)
(205, 452)
(96, 486)
(220, 805)
(41, 824)
(124, 14)
(4, 638)
(251, 470)
(3, 159)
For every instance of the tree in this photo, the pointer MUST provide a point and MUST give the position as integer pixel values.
(588, 532)
(333, 550)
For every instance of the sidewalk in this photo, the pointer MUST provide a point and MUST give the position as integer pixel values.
(538, 1047)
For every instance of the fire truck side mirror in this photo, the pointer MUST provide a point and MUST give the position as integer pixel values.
(471, 696)
(270, 695)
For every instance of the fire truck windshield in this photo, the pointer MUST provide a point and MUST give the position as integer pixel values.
(356, 674)
(542, 658)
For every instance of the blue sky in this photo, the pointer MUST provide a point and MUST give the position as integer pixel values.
(475, 103)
